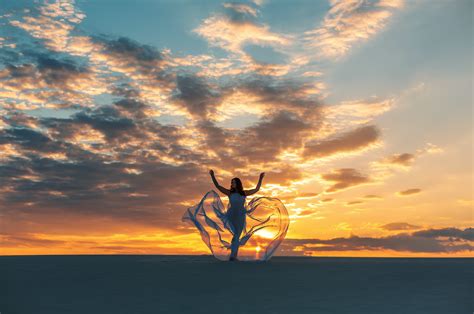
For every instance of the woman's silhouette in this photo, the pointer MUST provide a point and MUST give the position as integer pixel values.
(250, 231)
(237, 211)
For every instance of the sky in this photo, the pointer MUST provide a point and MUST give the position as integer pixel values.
(359, 112)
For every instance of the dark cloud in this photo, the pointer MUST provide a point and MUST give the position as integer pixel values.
(216, 137)
(284, 176)
(129, 48)
(240, 13)
(29, 140)
(454, 233)
(344, 178)
(425, 241)
(372, 196)
(354, 203)
(409, 192)
(327, 199)
(399, 226)
(130, 57)
(50, 80)
(51, 69)
(196, 95)
(99, 189)
(125, 90)
(263, 141)
(56, 71)
(122, 178)
(283, 95)
(18, 119)
(109, 121)
(350, 141)
(405, 159)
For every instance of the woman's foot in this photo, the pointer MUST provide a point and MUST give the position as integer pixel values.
(233, 259)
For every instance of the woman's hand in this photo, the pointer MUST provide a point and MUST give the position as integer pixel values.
(262, 175)
(211, 172)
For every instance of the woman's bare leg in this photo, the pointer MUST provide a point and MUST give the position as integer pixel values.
(235, 245)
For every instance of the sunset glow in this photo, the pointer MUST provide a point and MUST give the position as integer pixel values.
(358, 112)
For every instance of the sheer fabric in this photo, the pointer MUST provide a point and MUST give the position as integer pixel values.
(264, 226)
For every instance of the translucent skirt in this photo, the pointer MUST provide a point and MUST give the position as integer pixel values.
(262, 224)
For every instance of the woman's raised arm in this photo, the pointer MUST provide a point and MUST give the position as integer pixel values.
(257, 188)
(220, 188)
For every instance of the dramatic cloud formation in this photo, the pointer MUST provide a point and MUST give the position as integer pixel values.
(105, 140)
(426, 241)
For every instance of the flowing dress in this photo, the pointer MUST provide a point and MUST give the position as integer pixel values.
(260, 225)
(236, 214)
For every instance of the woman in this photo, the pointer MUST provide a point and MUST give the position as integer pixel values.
(252, 231)
(237, 211)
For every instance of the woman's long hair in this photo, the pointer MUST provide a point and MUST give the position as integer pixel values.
(239, 188)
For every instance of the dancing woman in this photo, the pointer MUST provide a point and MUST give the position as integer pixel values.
(237, 210)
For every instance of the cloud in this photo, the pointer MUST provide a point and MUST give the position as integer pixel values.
(344, 178)
(284, 94)
(241, 9)
(51, 81)
(284, 176)
(372, 196)
(355, 140)
(347, 23)
(404, 159)
(197, 96)
(424, 241)
(27, 241)
(356, 112)
(399, 226)
(354, 203)
(454, 233)
(53, 24)
(132, 58)
(409, 192)
(135, 128)
(264, 141)
(64, 188)
(232, 30)
(388, 166)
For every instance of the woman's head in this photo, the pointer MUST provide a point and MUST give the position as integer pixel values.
(236, 186)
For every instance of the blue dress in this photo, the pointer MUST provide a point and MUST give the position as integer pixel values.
(254, 229)
(236, 215)
(237, 212)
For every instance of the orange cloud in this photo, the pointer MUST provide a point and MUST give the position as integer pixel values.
(347, 23)
(231, 35)
(399, 226)
(344, 178)
(355, 140)
(409, 192)
(53, 25)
